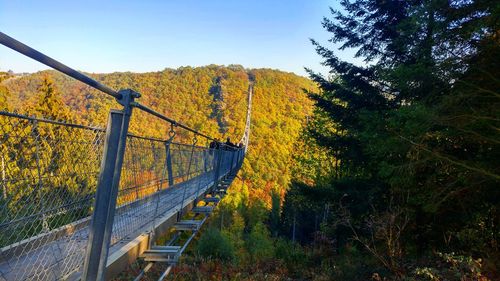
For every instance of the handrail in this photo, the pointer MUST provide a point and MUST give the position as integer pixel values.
(42, 58)
(49, 121)
(205, 168)
(38, 56)
(73, 125)
(169, 120)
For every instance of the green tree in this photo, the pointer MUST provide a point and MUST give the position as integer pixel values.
(49, 104)
(274, 215)
(411, 130)
(259, 244)
(235, 233)
(214, 244)
(4, 92)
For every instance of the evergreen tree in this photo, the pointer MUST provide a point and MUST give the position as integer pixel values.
(258, 243)
(49, 104)
(4, 92)
(214, 244)
(411, 130)
(274, 215)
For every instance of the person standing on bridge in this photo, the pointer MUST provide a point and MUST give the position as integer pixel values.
(214, 144)
(229, 144)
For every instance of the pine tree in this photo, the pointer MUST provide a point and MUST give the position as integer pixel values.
(274, 215)
(392, 124)
(4, 92)
(49, 104)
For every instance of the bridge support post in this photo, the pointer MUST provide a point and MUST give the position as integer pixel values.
(231, 168)
(205, 160)
(107, 191)
(217, 159)
(238, 158)
(168, 163)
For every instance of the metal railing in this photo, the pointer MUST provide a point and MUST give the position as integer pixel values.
(70, 194)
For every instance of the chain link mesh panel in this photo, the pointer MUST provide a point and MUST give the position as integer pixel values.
(49, 172)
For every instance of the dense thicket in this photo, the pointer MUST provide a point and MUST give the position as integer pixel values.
(415, 141)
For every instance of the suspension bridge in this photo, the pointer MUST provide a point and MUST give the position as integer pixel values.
(82, 203)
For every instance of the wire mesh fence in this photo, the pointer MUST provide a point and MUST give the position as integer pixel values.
(49, 173)
(142, 195)
(48, 176)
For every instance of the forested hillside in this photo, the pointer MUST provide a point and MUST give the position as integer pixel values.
(211, 99)
(397, 173)
(385, 170)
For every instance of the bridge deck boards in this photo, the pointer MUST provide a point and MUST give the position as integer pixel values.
(63, 257)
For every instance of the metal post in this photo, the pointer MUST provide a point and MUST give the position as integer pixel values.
(135, 169)
(179, 214)
(201, 177)
(169, 165)
(158, 191)
(233, 153)
(205, 158)
(4, 185)
(106, 194)
(217, 159)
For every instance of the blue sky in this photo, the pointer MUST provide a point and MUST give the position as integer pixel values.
(140, 36)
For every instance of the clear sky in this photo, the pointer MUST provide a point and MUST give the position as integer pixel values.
(140, 36)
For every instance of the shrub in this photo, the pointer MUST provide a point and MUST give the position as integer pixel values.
(452, 267)
(258, 243)
(292, 255)
(214, 244)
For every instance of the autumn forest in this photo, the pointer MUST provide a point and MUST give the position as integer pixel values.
(386, 170)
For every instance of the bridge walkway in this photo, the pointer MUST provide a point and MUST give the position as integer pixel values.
(75, 198)
(70, 249)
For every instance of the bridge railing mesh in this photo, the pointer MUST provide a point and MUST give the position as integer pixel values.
(59, 181)
(49, 173)
(142, 196)
(48, 177)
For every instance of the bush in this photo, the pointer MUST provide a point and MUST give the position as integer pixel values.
(214, 244)
(452, 267)
(354, 264)
(292, 255)
(258, 243)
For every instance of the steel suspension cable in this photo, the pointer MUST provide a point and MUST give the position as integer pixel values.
(44, 59)
(170, 120)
